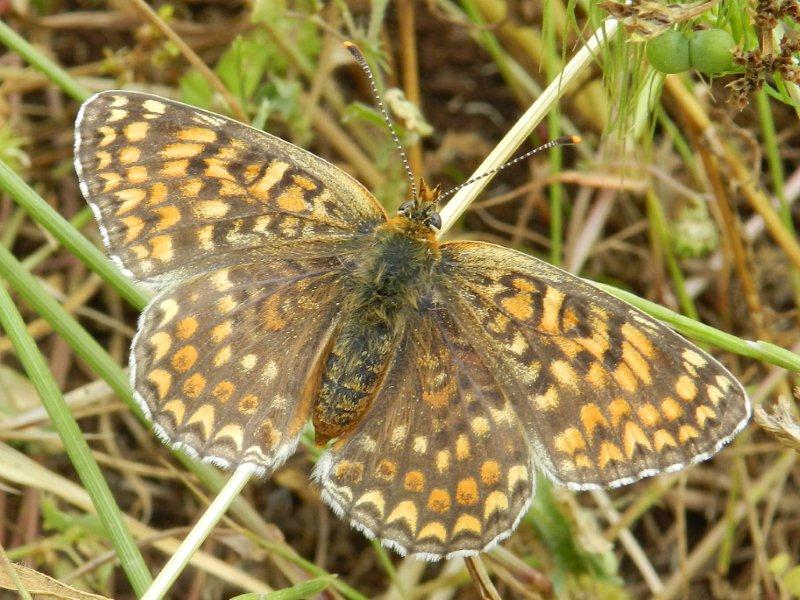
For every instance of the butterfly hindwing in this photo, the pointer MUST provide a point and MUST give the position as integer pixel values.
(178, 191)
(607, 394)
(226, 363)
(440, 464)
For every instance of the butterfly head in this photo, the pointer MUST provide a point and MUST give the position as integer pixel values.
(422, 209)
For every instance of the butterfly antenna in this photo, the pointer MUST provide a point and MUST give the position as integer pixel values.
(567, 140)
(362, 62)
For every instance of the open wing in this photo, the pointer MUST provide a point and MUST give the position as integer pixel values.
(179, 191)
(440, 465)
(225, 364)
(607, 394)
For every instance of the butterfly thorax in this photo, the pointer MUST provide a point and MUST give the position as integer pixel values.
(387, 286)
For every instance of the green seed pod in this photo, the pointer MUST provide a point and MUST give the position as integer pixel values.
(710, 51)
(669, 52)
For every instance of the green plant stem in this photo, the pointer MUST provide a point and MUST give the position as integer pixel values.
(71, 238)
(56, 74)
(76, 447)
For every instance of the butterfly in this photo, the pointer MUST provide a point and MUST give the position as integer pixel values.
(439, 376)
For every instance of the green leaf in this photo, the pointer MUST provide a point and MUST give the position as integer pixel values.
(307, 589)
(791, 581)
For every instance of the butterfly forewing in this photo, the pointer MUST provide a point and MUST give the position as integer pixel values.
(179, 191)
(440, 465)
(607, 394)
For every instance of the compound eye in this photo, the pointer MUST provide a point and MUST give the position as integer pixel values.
(435, 221)
(405, 208)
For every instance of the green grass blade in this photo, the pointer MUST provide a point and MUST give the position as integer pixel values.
(76, 447)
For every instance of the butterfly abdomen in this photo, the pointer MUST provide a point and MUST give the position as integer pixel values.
(391, 282)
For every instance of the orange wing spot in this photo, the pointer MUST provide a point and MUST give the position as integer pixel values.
(405, 511)
(271, 437)
(671, 409)
(292, 199)
(565, 374)
(414, 481)
(640, 341)
(136, 174)
(248, 404)
(167, 217)
(129, 154)
(131, 198)
(103, 159)
(570, 441)
(223, 391)
(211, 209)
(194, 386)
(140, 252)
(271, 314)
(205, 415)
(184, 359)
(592, 418)
(108, 133)
(714, 394)
(582, 461)
(570, 348)
(547, 401)
(179, 151)
(634, 436)
(197, 134)
(221, 331)
(162, 380)
(523, 285)
(608, 452)
(625, 377)
(226, 304)
(261, 188)
(348, 471)
(223, 356)
(134, 227)
(496, 501)
(160, 342)
(462, 447)
(112, 181)
(192, 188)
(231, 188)
(304, 182)
(443, 460)
(177, 409)
(618, 409)
(216, 168)
(467, 523)
(186, 327)
(649, 415)
(704, 413)
(135, 132)
(161, 248)
(663, 438)
(519, 306)
(158, 191)
(441, 397)
(205, 237)
(569, 320)
(386, 470)
(433, 530)
(686, 388)
(551, 306)
(439, 501)
(636, 362)
(175, 168)
(686, 433)
(490, 472)
(597, 375)
(467, 491)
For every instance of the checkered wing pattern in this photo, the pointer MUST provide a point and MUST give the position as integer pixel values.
(227, 363)
(440, 465)
(179, 191)
(607, 394)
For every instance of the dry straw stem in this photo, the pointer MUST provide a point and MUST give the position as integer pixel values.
(523, 128)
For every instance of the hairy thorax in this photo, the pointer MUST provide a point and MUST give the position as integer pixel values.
(385, 287)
